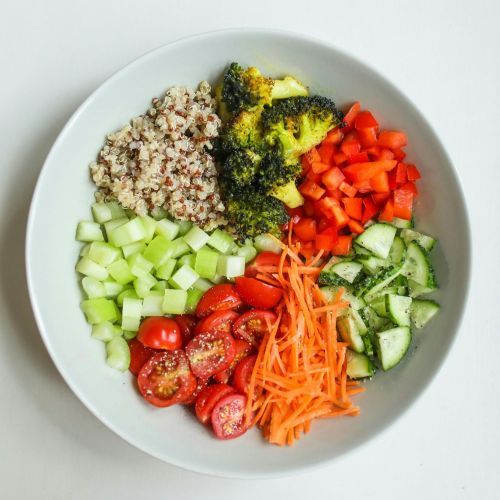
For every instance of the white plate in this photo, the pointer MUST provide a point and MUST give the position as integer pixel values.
(63, 196)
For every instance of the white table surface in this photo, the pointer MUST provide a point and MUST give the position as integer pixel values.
(442, 54)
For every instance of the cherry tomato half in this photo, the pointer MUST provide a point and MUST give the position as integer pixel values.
(217, 321)
(252, 325)
(218, 298)
(228, 416)
(255, 293)
(186, 324)
(210, 352)
(165, 379)
(263, 259)
(139, 354)
(201, 383)
(243, 349)
(208, 398)
(242, 373)
(158, 332)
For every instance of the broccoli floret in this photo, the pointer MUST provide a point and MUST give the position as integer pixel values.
(256, 214)
(244, 131)
(239, 171)
(299, 123)
(244, 89)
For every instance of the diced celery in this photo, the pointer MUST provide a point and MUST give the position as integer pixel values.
(221, 241)
(129, 335)
(84, 252)
(93, 288)
(99, 310)
(105, 331)
(112, 288)
(120, 271)
(129, 292)
(130, 232)
(267, 243)
(174, 301)
(137, 247)
(206, 263)
(184, 227)
(101, 212)
(92, 269)
(178, 248)
(231, 266)
(131, 314)
(184, 278)
(248, 253)
(196, 238)
(103, 253)
(118, 354)
(89, 231)
(158, 213)
(158, 251)
(149, 225)
(187, 260)
(165, 271)
(168, 229)
(193, 297)
(203, 284)
(160, 286)
(117, 211)
(217, 279)
(139, 266)
(113, 224)
(152, 305)
(144, 284)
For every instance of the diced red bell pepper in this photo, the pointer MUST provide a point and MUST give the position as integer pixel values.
(355, 227)
(326, 239)
(350, 145)
(380, 183)
(365, 120)
(305, 164)
(334, 136)
(307, 249)
(399, 154)
(401, 175)
(326, 151)
(363, 171)
(380, 199)
(351, 115)
(337, 194)
(308, 207)
(305, 229)
(311, 190)
(403, 202)
(333, 178)
(410, 186)
(342, 245)
(339, 216)
(374, 151)
(369, 210)
(318, 167)
(339, 158)
(295, 212)
(353, 207)
(323, 224)
(361, 157)
(312, 155)
(387, 213)
(348, 189)
(392, 139)
(392, 179)
(385, 154)
(326, 205)
(412, 172)
(313, 177)
(363, 186)
(368, 137)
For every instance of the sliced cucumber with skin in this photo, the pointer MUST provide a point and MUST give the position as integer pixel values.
(359, 250)
(416, 290)
(398, 309)
(350, 333)
(377, 283)
(359, 365)
(378, 239)
(402, 223)
(372, 319)
(392, 345)
(330, 292)
(378, 305)
(372, 265)
(369, 349)
(426, 242)
(422, 311)
(417, 266)
(342, 272)
(398, 251)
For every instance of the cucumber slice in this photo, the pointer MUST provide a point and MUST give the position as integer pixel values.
(372, 265)
(350, 333)
(359, 250)
(426, 242)
(402, 223)
(397, 251)
(168, 229)
(196, 238)
(118, 354)
(392, 345)
(89, 231)
(416, 290)
(422, 311)
(369, 349)
(221, 241)
(346, 271)
(372, 319)
(359, 365)
(378, 305)
(398, 309)
(417, 266)
(376, 284)
(378, 239)
(174, 301)
(331, 291)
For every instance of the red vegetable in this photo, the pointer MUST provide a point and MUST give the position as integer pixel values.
(158, 332)
(252, 325)
(218, 298)
(139, 354)
(243, 349)
(208, 398)
(217, 321)
(305, 229)
(392, 139)
(228, 416)
(242, 373)
(255, 293)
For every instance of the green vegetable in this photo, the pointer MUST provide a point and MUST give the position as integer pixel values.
(118, 354)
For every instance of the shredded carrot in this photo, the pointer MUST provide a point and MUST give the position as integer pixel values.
(300, 373)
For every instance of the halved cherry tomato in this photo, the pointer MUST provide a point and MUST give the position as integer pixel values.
(186, 323)
(255, 293)
(242, 373)
(158, 332)
(165, 379)
(218, 298)
(228, 416)
(217, 321)
(201, 383)
(208, 398)
(263, 259)
(243, 349)
(210, 352)
(139, 354)
(253, 325)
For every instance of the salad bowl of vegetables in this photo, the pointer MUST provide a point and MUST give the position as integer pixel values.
(280, 255)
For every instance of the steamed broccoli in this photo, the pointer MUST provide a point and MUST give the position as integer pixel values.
(244, 131)
(299, 123)
(244, 89)
(239, 171)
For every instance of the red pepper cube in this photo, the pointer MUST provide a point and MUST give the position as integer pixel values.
(333, 137)
(353, 207)
(403, 202)
(350, 145)
(312, 155)
(318, 167)
(342, 245)
(401, 175)
(311, 190)
(369, 210)
(387, 213)
(392, 139)
(348, 189)
(332, 178)
(305, 229)
(380, 183)
(326, 151)
(355, 227)
(412, 172)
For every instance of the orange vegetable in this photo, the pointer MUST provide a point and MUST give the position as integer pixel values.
(364, 171)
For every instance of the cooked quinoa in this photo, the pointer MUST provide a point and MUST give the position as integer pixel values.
(162, 160)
